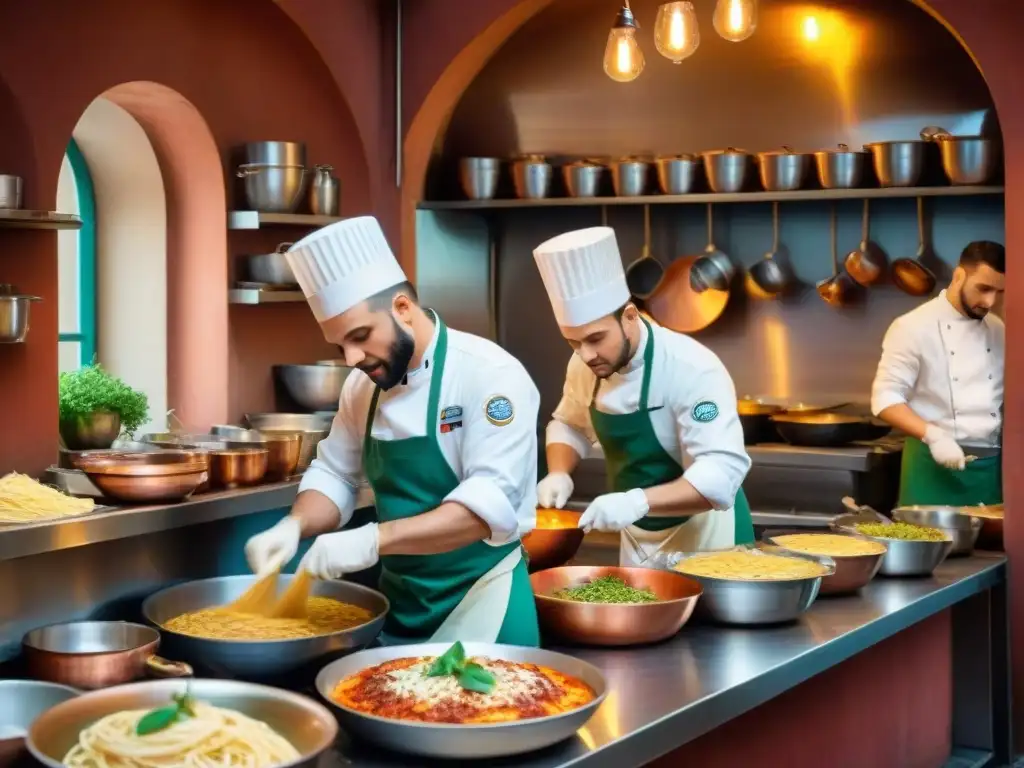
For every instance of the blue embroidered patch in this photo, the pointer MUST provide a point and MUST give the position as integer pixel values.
(705, 412)
(499, 411)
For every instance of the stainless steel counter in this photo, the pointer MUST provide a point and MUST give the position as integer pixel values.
(666, 695)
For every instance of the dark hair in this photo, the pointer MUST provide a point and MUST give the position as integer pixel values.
(984, 252)
(382, 299)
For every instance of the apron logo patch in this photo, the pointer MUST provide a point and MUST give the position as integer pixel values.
(499, 411)
(705, 412)
(451, 418)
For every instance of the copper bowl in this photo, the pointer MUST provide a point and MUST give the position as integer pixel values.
(284, 449)
(144, 477)
(236, 467)
(852, 571)
(990, 537)
(614, 623)
(555, 540)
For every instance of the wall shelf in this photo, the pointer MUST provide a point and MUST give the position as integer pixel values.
(802, 195)
(257, 296)
(25, 219)
(257, 220)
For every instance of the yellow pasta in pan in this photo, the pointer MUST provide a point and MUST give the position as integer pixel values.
(750, 566)
(829, 544)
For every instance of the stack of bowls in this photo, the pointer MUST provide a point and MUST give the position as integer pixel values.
(313, 427)
(275, 175)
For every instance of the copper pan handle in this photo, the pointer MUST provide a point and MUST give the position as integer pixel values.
(159, 667)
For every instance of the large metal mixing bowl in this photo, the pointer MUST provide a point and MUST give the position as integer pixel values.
(464, 742)
(274, 188)
(852, 571)
(258, 659)
(614, 623)
(315, 387)
(952, 521)
(305, 723)
(21, 702)
(903, 558)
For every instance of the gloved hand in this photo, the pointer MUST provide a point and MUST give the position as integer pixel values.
(335, 554)
(274, 547)
(615, 511)
(944, 448)
(554, 490)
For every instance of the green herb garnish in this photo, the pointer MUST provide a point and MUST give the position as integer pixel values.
(606, 589)
(900, 530)
(92, 390)
(470, 675)
(164, 717)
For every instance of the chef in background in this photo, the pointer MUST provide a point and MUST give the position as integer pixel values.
(661, 405)
(442, 425)
(940, 380)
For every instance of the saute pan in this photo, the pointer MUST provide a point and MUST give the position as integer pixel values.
(827, 430)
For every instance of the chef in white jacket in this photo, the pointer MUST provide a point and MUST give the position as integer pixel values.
(661, 405)
(940, 380)
(442, 425)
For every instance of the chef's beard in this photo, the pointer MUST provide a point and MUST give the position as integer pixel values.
(392, 371)
(975, 313)
(625, 353)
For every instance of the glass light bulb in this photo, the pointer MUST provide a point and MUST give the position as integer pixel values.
(623, 59)
(735, 20)
(676, 34)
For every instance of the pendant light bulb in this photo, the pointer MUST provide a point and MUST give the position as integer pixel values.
(735, 20)
(623, 59)
(676, 34)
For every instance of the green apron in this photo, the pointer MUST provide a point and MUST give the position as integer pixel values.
(410, 477)
(634, 458)
(923, 481)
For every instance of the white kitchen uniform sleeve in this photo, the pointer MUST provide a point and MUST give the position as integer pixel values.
(571, 424)
(710, 432)
(337, 470)
(898, 368)
(499, 459)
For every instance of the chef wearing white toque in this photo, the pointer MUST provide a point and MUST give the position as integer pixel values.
(442, 425)
(661, 406)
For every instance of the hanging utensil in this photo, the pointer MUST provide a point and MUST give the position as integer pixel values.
(911, 275)
(644, 275)
(833, 290)
(714, 270)
(866, 263)
(768, 275)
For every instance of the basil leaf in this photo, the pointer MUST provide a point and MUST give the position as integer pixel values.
(474, 677)
(157, 720)
(449, 662)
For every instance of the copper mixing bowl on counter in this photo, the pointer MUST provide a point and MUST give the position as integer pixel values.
(853, 570)
(236, 462)
(614, 623)
(144, 476)
(555, 540)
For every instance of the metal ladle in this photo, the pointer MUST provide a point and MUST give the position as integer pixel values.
(833, 290)
(910, 275)
(768, 275)
(644, 275)
(714, 270)
(866, 263)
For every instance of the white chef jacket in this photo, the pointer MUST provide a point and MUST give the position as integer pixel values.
(685, 373)
(948, 368)
(496, 465)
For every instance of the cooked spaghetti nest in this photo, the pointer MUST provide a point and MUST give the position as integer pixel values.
(750, 566)
(23, 500)
(325, 616)
(213, 738)
(829, 544)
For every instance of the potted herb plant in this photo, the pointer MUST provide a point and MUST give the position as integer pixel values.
(96, 407)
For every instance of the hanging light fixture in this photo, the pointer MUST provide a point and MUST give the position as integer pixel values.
(676, 34)
(735, 20)
(623, 59)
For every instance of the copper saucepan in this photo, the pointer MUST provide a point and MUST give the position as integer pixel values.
(97, 654)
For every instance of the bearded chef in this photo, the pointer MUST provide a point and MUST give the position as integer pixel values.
(442, 425)
(661, 405)
(940, 380)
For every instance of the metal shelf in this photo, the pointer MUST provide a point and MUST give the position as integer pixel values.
(25, 219)
(257, 220)
(256, 296)
(701, 198)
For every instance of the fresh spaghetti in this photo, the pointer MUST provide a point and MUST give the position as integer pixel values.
(23, 500)
(210, 737)
(325, 616)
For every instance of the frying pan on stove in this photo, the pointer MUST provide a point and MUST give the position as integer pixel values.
(827, 430)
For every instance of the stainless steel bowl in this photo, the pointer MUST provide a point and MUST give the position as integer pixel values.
(479, 177)
(275, 152)
(274, 188)
(783, 171)
(305, 723)
(902, 558)
(14, 314)
(21, 702)
(629, 176)
(464, 742)
(316, 387)
(952, 521)
(841, 168)
(583, 179)
(969, 159)
(532, 178)
(234, 432)
(898, 163)
(727, 169)
(272, 268)
(746, 603)
(677, 173)
(258, 659)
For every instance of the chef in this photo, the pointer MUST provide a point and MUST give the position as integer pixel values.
(442, 425)
(940, 380)
(661, 405)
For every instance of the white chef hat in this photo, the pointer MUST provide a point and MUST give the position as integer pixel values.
(582, 272)
(343, 264)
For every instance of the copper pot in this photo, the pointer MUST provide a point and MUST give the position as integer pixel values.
(235, 467)
(284, 449)
(555, 540)
(97, 654)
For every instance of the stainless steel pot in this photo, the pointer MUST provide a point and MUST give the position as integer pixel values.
(965, 159)
(727, 169)
(273, 188)
(783, 171)
(531, 176)
(629, 176)
(841, 168)
(897, 163)
(953, 521)
(255, 659)
(582, 178)
(10, 191)
(479, 177)
(316, 387)
(677, 173)
(271, 268)
(324, 192)
(14, 312)
(275, 153)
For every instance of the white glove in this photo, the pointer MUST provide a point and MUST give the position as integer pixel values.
(615, 511)
(274, 547)
(335, 554)
(554, 490)
(944, 448)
